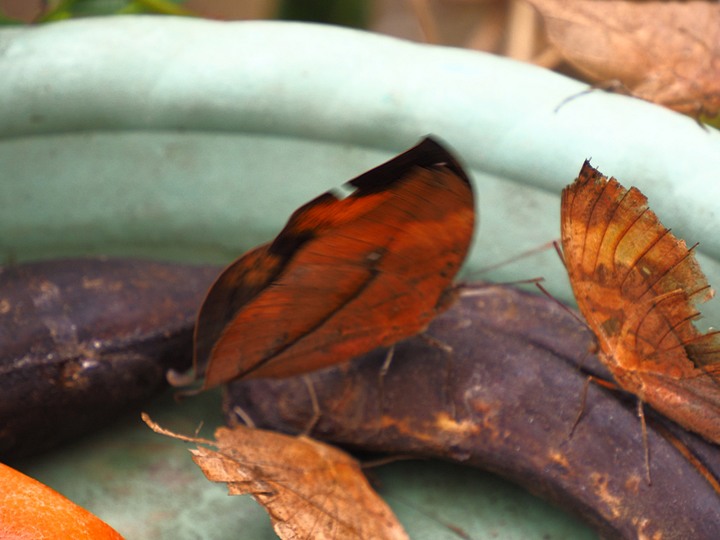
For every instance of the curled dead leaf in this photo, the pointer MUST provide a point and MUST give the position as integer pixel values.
(664, 52)
(309, 489)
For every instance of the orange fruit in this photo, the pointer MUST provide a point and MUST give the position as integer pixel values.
(30, 510)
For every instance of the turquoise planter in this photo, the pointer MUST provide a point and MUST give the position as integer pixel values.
(195, 140)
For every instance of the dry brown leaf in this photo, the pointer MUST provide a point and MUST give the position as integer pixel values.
(665, 52)
(309, 489)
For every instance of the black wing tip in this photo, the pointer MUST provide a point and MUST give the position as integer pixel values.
(437, 149)
(429, 152)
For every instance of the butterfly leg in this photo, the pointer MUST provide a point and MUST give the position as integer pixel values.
(434, 342)
(243, 416)
(583, 400)
(559, 303)
(685, 451)
(177, 380)
(640, 412)
(581, 410)
(381, 381)
(646, 447)
(448, 350)
(559, 252)
(315, 406)
(449, 377)
(386, 364)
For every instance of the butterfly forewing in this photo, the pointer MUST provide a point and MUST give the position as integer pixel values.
(347, 275)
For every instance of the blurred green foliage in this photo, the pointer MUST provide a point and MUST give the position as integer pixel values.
(353, 13)
(68, 9)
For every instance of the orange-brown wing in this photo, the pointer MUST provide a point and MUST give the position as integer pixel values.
(635, 283)
(345, 275)
(637, 286)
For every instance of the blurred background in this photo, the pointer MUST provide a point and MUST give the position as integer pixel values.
(664, 52)
(508, 27)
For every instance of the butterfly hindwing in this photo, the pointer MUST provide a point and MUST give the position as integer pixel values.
(638, 286)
